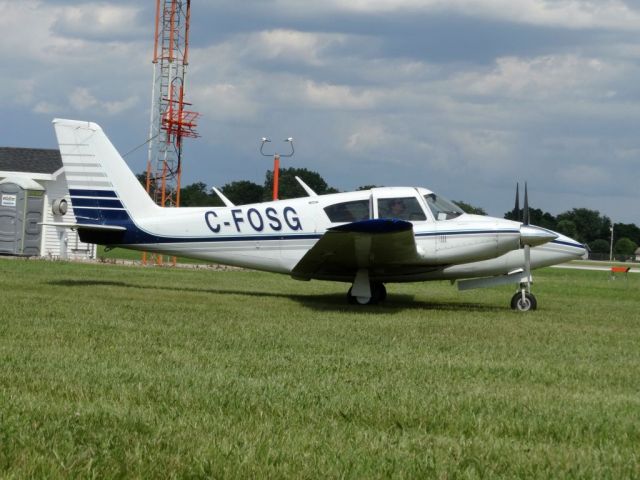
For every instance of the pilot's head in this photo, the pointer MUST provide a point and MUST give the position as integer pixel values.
(397, 206)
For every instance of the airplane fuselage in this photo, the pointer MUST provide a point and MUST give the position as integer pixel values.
(274, 236)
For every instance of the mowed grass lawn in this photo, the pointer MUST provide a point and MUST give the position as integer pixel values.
(113, 371)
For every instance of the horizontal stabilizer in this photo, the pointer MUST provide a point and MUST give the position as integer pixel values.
(83, 226)
(99, 234)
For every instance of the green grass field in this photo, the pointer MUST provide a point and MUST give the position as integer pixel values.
(114, 371)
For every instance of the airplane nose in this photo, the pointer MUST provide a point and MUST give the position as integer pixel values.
(534, 236)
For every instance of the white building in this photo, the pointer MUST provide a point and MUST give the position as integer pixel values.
(30, 168)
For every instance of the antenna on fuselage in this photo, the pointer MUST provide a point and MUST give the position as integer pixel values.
(306, 187)
(225, 200)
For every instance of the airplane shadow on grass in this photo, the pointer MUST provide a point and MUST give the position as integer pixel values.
(321, 302)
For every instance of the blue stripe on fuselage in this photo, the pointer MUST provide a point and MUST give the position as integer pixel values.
(568, 244)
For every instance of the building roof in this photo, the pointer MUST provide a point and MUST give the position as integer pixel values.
(24, 183)
(30, 160)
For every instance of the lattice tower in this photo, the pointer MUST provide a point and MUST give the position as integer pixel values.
(170, 120)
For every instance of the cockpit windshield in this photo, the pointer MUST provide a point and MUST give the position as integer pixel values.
(442, 208)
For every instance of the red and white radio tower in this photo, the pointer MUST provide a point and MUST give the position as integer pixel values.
(170, 121)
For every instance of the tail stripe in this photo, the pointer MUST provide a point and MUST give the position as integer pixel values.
(96, 216)
(93, 193)
(96, 203)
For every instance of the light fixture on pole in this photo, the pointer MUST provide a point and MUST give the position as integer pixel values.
(611, 244)
(276, 162)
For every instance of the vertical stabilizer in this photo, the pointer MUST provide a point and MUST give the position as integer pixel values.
(96, 172)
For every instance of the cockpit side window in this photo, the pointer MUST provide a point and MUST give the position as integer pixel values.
(403, 208)
(348, 211)
(442, 208)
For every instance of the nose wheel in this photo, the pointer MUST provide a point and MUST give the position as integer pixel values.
(524, 301)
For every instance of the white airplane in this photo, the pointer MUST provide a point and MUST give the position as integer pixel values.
(366, 238)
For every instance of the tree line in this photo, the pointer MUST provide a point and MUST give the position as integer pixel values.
(582, 224)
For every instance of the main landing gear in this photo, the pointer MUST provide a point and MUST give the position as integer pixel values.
(364, 291)
(378, 294)
(523, 300)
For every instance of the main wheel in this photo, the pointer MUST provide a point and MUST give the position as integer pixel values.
(525, 304)
(378, 294)
(360, 300)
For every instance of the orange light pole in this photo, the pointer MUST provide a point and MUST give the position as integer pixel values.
(276, 163)
(276, 175)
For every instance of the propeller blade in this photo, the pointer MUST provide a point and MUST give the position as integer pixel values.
(525, 214)
(516, 210)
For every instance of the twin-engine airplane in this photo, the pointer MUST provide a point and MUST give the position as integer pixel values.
(366, 238)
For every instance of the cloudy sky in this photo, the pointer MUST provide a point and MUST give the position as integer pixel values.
(465, 97)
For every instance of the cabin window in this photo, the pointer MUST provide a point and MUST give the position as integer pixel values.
(348, 211)
(403, 208)
(442, 208)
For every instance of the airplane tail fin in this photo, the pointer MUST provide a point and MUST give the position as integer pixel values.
(104, 191)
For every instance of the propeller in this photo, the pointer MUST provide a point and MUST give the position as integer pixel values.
(528, 234)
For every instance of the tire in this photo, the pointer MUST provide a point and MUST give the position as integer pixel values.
(372, 300)
(524, 305)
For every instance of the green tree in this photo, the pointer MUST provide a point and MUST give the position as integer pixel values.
(536, 217)
(289, 186)
(243, 192)
(196, 195)
(625, 246)
(567, 227)
(367, 187)
(468, 208)
(590, 225)
(629, 230)
(142, 178)
(599, 246)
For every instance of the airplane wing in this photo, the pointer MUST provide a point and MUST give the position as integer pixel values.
(371, 244)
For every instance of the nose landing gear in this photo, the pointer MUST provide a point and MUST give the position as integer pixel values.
(524, 300)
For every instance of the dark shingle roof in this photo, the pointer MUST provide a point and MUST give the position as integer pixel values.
(30, 160)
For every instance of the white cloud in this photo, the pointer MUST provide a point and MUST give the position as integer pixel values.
(224, 101)
(81, 100)
(541, 77)
(370, 137)
(341, 97)
(585, 176)
(292, 45)
(573, 14)
(98, 19)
